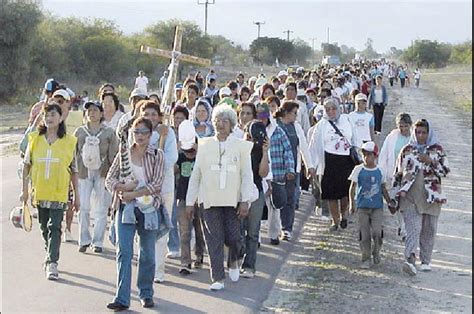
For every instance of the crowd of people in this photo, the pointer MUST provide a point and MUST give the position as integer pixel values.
(206, 171)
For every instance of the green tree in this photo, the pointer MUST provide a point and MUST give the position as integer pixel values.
(19, 20)
(428, 53)
(331, 49)
(462, 53)
(267, 49)
(302, 52)
(369, 51)
(347, 54)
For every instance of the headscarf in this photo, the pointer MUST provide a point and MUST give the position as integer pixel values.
(332, 101)
(209, 128)
(431, 140)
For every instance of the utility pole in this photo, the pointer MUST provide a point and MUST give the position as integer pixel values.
(258, 25)
(328, 35)
(312, 40)
(206, 3)
(288, 34)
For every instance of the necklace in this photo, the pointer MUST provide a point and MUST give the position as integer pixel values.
(221, 153)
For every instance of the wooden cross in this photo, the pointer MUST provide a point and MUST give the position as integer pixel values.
(175, 55)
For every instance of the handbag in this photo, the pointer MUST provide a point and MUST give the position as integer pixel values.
(352, 150)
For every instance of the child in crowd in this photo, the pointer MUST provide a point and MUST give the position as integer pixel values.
(365, 195)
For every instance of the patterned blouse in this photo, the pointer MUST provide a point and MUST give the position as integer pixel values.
(408, 166)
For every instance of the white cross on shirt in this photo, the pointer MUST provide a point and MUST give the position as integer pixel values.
(48, 160)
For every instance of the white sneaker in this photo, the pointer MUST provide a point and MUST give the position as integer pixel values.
(52, 271)
(409, 268)
(216, 286)
(159, 278)
(365, 264)
(325, 218)
(67, 237)
(248, 274)
(173, 254)
(425, 267)
(234, 274)
(286, 235)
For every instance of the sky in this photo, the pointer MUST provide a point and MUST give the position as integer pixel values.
(387, 22)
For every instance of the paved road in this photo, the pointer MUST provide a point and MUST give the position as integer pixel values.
(87, 281)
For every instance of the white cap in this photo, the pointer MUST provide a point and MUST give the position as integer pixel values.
(186, 134)
(360, 96)
(138, 92)
(63, 93)
(224, 91)
(282, 73)
(300, 92)
(370, 147)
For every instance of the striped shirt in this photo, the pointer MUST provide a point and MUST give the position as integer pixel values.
(153, 163)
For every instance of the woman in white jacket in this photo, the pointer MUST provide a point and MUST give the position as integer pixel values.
(331, 156)
(391, 147)
(287, 115)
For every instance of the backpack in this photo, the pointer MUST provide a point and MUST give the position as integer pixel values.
(91, 151)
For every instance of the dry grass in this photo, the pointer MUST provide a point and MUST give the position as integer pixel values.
(452, 84)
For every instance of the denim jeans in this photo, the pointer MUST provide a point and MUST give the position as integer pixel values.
(283, 197)
(173, 237)
(251, 229)
(94, 183)
(296, 200)
(50, 226)
(124, 254)
(161, 244)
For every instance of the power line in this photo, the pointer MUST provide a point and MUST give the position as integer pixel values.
(206, 3)
(288, 34)
(258, 25)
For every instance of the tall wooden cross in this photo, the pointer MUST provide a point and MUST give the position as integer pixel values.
(175, 55)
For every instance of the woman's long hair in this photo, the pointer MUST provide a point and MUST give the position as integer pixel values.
(48, 107)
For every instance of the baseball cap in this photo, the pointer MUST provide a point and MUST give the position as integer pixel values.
(187, 134)
(370, 147)
(360, 96)
(282, 73)
(178, 86)
(63, 93)
(138, 92)
(51, 85)
(224, 91)
(93, 103)
(300, 92)
(300, 70)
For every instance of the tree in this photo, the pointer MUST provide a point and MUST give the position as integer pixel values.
(462, 53)
(331, 49)
(266, 50)
(19, 20)
(427, 53)
(369, 51)
(347, 53)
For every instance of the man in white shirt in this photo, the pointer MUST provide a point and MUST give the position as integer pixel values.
(141, 82)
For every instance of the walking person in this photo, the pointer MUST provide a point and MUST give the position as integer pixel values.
(393, 144)
(365, 196)
(255, 132)
(141, 82)
(362, 122)
(111, 106)
(417, 76)
(188, 221)
(50, 164)
(97, 146)
(378, 100)
(403, 76)
(420, 166)
(330, 151)
(136, 176)
(222, 178)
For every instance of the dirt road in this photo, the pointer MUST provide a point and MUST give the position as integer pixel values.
(322, 275)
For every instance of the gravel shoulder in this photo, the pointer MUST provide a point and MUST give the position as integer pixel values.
(322, 274)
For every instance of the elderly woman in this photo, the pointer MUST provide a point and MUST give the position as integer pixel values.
(393, 144)
(136, 176)
(420, 166)
(222, 181)
(330, 150)
(202, 118)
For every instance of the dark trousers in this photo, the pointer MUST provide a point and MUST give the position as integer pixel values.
(50, 225)
(402, 82)
(221, 226)
(378, 117)
(391, 81)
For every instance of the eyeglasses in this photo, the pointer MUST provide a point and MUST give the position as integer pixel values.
(142, 131)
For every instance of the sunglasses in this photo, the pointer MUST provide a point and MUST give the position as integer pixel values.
(142, 131)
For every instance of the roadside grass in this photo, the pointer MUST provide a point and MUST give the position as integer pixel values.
(452, 84)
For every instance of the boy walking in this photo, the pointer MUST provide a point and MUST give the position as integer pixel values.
(365, 195)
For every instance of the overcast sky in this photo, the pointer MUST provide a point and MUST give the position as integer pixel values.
(350, 22)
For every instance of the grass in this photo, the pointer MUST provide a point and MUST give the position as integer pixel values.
(452, 84)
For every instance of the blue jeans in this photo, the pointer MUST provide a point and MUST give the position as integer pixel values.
(173, 237)
(251, 229)
(283, 197)
(296, 200)
(124, 254)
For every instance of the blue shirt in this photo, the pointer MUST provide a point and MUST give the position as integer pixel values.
(369, 186)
